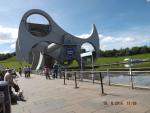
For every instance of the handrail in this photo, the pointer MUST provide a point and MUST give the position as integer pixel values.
(107, 71)
(109, 74)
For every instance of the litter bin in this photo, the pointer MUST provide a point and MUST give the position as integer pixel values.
(5, 97)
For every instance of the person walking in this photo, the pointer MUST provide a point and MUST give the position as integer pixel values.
(55, 69)
(59, 71)
(25, 71)
(28, 71)
(46, 72)
(20, 71)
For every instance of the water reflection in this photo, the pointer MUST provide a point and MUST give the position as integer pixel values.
(142, 80)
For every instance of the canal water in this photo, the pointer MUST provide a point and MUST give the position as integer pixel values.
(139, 79)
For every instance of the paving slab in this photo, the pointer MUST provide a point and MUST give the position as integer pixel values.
(51, 96)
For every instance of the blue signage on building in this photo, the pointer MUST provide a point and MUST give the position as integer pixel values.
(70, 53)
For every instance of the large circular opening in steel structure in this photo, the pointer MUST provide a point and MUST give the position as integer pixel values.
(87, 47)
(38, 25)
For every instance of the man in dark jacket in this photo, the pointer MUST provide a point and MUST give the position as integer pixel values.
(55, 69)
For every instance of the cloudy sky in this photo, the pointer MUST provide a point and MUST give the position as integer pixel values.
(120, 23)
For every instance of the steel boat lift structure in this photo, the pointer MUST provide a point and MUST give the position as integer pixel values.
(41, 44)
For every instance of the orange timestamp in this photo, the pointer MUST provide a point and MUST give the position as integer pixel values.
(133, 103)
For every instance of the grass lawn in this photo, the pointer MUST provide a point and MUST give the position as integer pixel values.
(110, 60)
(13, 63)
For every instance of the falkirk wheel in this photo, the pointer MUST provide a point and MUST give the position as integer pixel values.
(42, 44)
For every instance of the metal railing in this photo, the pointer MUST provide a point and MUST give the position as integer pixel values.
(76, 76)
(131, 78)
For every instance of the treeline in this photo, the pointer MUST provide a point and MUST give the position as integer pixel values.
(107, 53)
(7, 55)
(125, 52)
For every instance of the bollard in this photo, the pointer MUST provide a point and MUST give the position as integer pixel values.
(81, 76)
(131, 75)
(75, 79)
(93, 79)
(132, 82)
(65, 77)
(100, 75)
(108, 75)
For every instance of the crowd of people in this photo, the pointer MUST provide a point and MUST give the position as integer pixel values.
(52, 73)
(10, 76)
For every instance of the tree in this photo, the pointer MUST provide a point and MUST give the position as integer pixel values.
(124, 52)
(135, 50)
(144, 49)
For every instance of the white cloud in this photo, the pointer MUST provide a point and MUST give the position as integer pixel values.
(112, 42)
(8, 35)
(13, 32)
(4, 51)
(83, 35)
(148, 0)
(128, 39)
(12, 46)
(107, 39)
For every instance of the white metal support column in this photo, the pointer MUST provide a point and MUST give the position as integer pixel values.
(92, 68)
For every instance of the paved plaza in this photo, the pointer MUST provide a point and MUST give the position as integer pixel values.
(51, 96)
